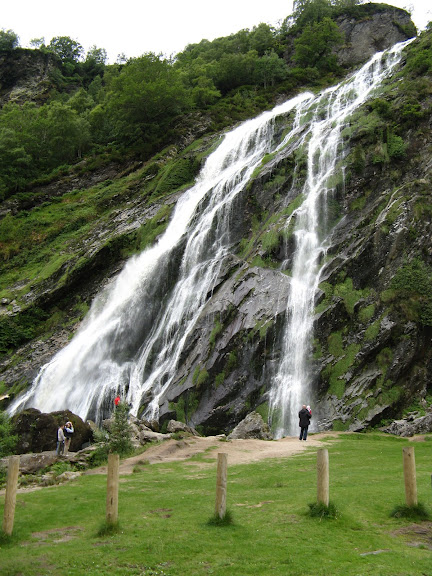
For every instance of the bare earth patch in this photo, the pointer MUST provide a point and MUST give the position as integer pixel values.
(239, 451)
(417, 535)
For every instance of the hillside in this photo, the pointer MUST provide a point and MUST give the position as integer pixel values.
(66, 234)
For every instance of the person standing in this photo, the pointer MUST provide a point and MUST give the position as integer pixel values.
(68, 432)
(60, 440)
(304, 421)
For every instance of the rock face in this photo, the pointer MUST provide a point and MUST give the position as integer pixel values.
(26, 75)
(375, 33)
(253, 426)
(37, 432)
(373, 352)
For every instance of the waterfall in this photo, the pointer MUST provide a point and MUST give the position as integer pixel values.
(133, 336)
(324, 147)
(127, 343)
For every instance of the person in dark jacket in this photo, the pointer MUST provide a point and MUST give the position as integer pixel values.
(304, 421)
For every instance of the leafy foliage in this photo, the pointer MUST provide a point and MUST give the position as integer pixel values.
(8, 40)
(119, 440)
(7, 439)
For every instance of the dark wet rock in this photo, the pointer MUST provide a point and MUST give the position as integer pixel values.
(37, 431)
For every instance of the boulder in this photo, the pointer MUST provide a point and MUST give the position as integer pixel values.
(37, 431)
(32, 463)
(410, 426)
(253, 426)
(176, 426)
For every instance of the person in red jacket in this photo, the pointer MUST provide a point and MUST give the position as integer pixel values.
(117, 400)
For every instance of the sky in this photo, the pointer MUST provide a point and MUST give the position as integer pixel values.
(134, 27)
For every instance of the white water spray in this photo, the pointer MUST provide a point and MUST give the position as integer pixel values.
(134, 334)
(324, 148)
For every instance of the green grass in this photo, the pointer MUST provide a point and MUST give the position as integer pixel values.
(165, 512)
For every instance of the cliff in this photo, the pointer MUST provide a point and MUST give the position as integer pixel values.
(371, 355)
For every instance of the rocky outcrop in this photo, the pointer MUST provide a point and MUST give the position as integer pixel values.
(410, 426)
(37, 431)
(374, 33)
(253, 426)
(26, 75)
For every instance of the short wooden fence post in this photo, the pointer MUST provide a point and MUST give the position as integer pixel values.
(410, 476)
(10, 495)
(221, 485)
(112, 489)
(323, 476)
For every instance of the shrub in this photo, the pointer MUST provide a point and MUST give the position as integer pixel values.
(7, 439)
(119, 439)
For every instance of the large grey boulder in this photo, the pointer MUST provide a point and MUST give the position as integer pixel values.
(410, 426)
(253, 426)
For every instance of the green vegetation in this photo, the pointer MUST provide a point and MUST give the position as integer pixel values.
(7, 439)
(164, 513)
(117, 440)
(344, 358)
(139, 105)
(128, 115)
(412, 291)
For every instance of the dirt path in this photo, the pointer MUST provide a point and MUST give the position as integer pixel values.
(239, 451)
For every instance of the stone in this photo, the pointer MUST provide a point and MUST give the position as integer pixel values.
(176, 426)
(253, 426)
(410, 426)
(37, 431)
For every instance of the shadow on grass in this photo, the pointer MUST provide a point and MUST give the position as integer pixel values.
(418, 512)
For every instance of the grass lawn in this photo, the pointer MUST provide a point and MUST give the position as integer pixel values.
(164, 511)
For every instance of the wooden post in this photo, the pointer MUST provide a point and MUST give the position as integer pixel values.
(112, 489)
(410, 476)
(323, 476)
(10, 496)
(221, 485)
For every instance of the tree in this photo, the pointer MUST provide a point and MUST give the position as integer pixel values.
(145, 97)
(37, 43)
(262, 39)
(313, 48)
(66, 48)
(270, 69)
(97, 55)
(309, 11)
(120, 435)
(8, 40)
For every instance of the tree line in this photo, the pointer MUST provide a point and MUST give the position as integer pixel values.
(141, 104)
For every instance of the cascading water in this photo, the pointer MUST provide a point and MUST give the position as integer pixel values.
(129, 345)
(134, 334)
(324, 148)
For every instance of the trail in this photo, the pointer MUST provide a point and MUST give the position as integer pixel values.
(239, 451)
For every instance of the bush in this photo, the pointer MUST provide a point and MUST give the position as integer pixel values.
(7, 439)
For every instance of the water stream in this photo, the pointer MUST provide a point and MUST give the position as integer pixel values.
(132, 339)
